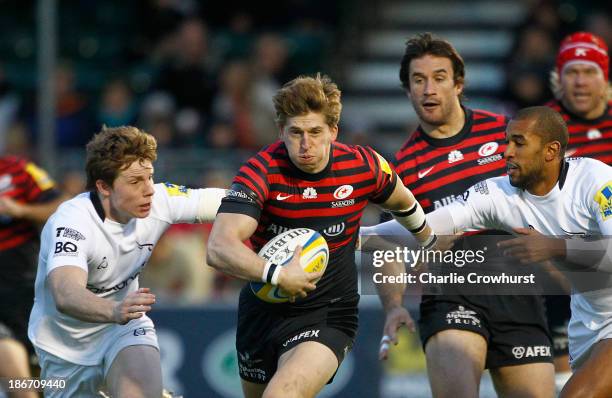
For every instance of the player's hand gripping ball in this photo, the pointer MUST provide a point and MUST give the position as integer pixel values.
(314, 258)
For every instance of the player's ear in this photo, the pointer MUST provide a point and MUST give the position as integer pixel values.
(281, 132)
(553, 151)
(334, 132)
(103, 187)
(459, 88)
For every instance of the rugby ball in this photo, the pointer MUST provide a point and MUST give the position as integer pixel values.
(314, 258)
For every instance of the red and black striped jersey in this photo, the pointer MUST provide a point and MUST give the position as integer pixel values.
(437, 171)
(271, 189)
(588, 138)
(24, 182)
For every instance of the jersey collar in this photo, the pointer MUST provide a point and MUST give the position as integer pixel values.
(455, 139)
(563, 173)
(97, 204)
(316, 176)
(582, 120)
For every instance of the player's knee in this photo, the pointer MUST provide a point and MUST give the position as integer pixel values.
(14, 358)
(12, 348)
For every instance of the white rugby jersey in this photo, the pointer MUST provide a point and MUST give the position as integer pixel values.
(112, 254)
(580, 204)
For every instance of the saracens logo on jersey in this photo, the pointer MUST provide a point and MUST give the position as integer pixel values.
(487, 153)
(488, 149)
(343, 192)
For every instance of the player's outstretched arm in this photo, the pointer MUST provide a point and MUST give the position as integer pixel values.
(35, 212)
(68, 288)
(228, 253)
(409, 213)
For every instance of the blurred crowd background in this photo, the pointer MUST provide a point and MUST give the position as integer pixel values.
(200, 76)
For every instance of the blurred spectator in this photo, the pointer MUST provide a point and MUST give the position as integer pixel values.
(600, 23)
(157, 116)
(118, 107)
(17, 140)
(222, 136)
(9, 107)
(73, 183)
(159, 19)
(238, 106)
(74, 123)
(236, 42)
(269, 67)
(186, 75)
(528, 67)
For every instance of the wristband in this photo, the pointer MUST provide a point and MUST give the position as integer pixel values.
(264, 275)
(275, 274)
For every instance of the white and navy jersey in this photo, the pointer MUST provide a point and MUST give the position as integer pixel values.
(580, 204)
(112, 254)
(572, 207)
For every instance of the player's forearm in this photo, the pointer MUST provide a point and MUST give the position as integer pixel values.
(235, 258)
(40, 212)
(80, 303)
(408, 212)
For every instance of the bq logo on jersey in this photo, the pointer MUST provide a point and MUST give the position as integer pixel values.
(314, 258)
(65, 249)
(604, 198)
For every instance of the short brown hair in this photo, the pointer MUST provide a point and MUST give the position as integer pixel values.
(115, 149)
(426, 44)
(308, 94)
(549, 125)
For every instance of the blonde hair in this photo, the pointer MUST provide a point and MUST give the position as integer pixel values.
(308, 94)
(115, 149)
(554, 81)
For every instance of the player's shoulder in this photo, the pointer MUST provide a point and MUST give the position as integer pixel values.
(554, 104)
(79, 203)
(415, 137)
(480, 116)
(362, 153)
(268, 157)
(170, 189)
(76, 211)
(272, 151)
(588, 167)
(341, 148)
(12, 160)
